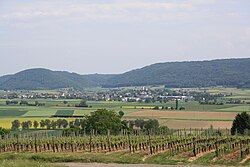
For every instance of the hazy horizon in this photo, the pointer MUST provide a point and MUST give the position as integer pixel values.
(115, 36)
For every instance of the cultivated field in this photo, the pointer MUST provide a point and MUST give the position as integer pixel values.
(194, 115)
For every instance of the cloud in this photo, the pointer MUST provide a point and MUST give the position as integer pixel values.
(127, 10)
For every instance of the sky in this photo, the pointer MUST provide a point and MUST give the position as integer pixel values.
(115, 36)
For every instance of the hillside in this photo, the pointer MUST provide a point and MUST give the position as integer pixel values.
(44, 79)
(227, 72)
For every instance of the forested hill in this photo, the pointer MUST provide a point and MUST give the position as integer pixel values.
(34, 79)
(227, 72)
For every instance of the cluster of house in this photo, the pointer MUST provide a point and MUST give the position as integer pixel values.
(137, 94)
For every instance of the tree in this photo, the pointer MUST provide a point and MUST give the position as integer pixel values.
(4, 132)
(65, 123)
(35, 123)
(47, 123)
(151, 124)
(7, 102)
(163, 129)
(148, 100)
(83, 123)
(124, 125)
(176, 104)
(182, 108)
(42, 123)
(241, 123)
(15, 125)
(24, 103)
(25, 125)
(103, 120)
(140, 123)
(131, 124)
(29, 124)
(82, 104)
(65, 102)
(59, 123)
(77, 122)
(121, 114)
(71, 130)
(156, 108)
(53, 124)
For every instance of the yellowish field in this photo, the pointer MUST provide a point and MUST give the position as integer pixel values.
(190, 119)
(184, 114)
(181, 124)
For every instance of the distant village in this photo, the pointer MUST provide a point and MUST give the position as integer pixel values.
(131, 94)
(137, 94)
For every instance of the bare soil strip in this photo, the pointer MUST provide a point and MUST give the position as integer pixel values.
(245, 159)
(122, 165)
(191, 159)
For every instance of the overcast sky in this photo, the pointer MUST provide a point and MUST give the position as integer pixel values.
(114, 36)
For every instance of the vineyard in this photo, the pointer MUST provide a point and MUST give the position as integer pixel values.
(147, 144)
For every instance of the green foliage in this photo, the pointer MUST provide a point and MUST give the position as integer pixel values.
(145, 125)
(227, 72)
(182, 108)
(15, 125)
(121, 114)
(151, 124)
(4, 132)
(71, 130)
(43, 79)
(26, 124)
(83, 103)
(241, 123)
(48, 123)
(35, 123)
(42, 123)
(103, 120)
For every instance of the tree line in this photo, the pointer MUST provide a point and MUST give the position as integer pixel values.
(100, 121)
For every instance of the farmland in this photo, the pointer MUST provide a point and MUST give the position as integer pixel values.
(199, 148)
(194, 115)
(192, 139)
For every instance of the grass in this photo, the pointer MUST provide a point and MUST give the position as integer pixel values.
(64, 113)
(11, 112)
(240, 108)
(25, 163)
(121, 157)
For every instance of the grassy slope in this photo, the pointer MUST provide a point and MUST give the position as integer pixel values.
(122, 157)
(25, 163)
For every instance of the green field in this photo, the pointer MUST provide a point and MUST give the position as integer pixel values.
(57, 107)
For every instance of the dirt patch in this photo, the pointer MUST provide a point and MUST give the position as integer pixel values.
(232, 157)
(121, 165)
(245, 159)
(199, 155)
